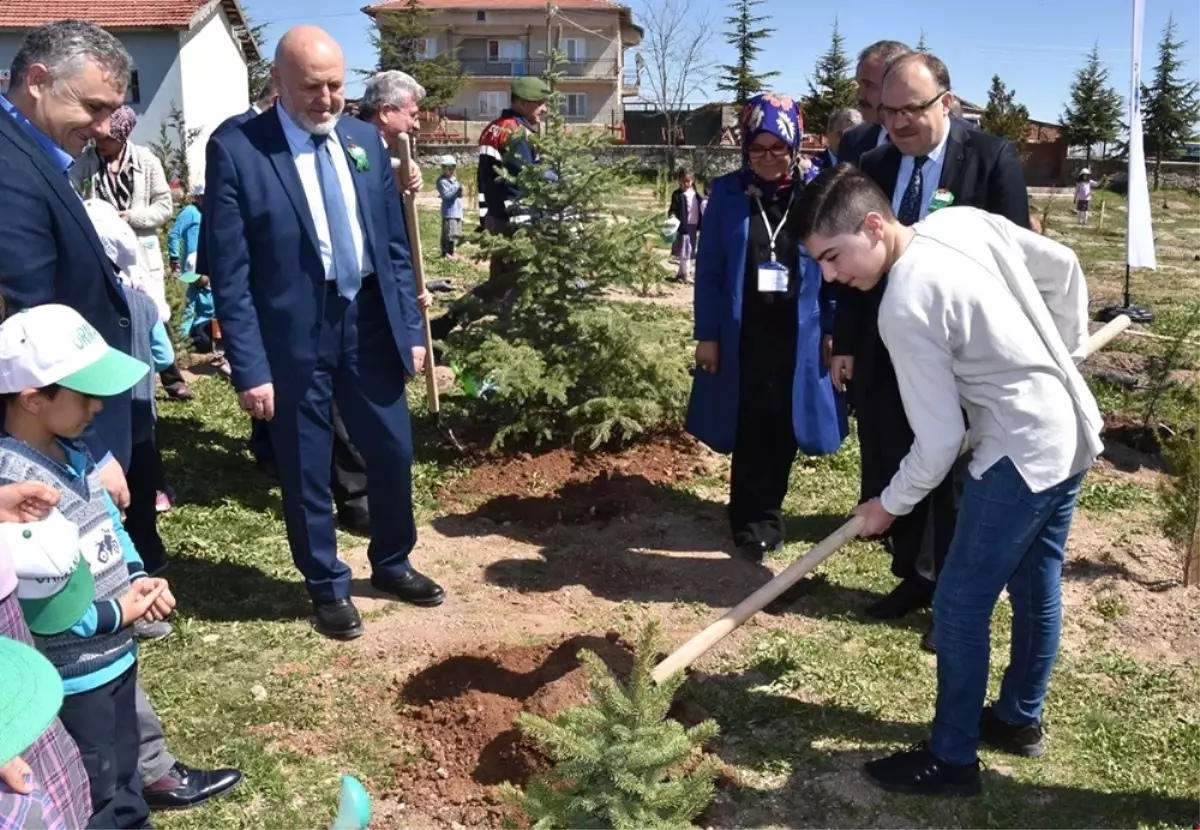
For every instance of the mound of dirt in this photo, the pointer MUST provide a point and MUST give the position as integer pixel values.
(564, 486)
(461, 713)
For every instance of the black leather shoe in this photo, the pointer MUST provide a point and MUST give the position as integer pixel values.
(910, 595)
(353, 521)
(413, 587)
(927, 640)
(183, 787)
(1027, 741)
(337, 619)
(756, 550)
(917, 771)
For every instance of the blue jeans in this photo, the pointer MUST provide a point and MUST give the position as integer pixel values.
(1005, 535)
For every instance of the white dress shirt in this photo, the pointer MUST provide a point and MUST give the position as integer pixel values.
(304, 154)
(931, 173)
(985, 316)
(883, 136)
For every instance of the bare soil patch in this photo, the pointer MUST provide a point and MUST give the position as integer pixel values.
(570, 487)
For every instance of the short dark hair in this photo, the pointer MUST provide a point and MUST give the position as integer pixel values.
(885, 50)
(64, 46)
(838, 200)
(681, 172)
(934, 64)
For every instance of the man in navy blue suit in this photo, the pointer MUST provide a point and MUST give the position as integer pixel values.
(312, 275)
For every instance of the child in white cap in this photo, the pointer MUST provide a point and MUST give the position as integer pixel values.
(55, 371)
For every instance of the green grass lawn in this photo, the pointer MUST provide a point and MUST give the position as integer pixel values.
(801, 702)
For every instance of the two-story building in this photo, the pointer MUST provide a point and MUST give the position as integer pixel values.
(498, 40)
(188, 55)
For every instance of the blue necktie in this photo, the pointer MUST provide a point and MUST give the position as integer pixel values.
(346, 271)
(910, 204)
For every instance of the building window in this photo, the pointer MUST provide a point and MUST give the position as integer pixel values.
(574, 48)
(481, 17)
(491, 103)
(575, 105)
(133, 93)
(505, 51)
(429, 48)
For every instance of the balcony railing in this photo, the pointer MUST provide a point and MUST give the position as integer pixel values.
(601, 69)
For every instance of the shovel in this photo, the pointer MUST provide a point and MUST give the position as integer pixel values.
(695, 648)
(418, 261)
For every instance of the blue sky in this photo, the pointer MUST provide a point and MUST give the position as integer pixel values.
(1034, 45)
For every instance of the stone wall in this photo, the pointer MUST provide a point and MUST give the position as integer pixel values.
(1176, 175)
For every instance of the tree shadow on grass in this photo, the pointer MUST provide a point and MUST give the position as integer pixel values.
(210, 468)
(224, 590)
(765, 729)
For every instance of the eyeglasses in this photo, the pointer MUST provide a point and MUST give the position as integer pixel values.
(913, 110)
(776, 150)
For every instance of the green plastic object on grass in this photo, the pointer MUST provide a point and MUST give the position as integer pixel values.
(354, 806)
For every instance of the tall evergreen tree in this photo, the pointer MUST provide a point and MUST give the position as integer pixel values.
(1003, 116)
(1094, 114)
(831, 86)
(399, 38)
(745, 34)
(1170, 105)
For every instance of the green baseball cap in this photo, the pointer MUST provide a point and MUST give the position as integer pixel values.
(189, 277)
(31, 693)
(530, 89)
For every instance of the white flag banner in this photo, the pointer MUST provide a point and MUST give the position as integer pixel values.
(1139, 232)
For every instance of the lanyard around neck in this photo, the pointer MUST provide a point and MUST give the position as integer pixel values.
(773, 233)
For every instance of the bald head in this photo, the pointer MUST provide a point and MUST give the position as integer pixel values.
(310, 74)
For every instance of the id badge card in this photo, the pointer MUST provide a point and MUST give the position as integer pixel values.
(772, 278)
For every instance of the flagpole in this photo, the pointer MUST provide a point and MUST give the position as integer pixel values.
(1139, 229)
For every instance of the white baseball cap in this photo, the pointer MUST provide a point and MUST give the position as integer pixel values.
(117, 237)
(54, 581)
(53, 344)
(449, 161)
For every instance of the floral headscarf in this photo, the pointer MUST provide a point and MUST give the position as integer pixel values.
(778, 115)
(122, 122)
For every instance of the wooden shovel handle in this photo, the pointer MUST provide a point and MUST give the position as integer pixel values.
(418, 265)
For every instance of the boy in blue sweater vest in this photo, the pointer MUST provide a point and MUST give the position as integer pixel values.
(55, 368)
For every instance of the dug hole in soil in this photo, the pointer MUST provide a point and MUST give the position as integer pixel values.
(459, 715)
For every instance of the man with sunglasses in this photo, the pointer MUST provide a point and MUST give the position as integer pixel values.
(931, 160)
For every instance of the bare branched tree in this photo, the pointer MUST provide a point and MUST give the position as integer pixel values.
(676, 55)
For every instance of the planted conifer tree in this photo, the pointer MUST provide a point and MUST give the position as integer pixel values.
(619, 762)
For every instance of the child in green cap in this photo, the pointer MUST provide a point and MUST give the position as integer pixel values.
(55, 370)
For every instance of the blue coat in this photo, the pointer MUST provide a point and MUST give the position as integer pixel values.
(50, 253)
(818, 412)
(267, 277)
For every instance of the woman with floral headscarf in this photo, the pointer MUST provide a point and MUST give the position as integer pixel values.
(130, 177)
(762, 315)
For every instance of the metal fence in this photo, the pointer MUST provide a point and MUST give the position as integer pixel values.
(601, 69)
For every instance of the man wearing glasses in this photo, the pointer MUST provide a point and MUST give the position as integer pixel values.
(931, 160)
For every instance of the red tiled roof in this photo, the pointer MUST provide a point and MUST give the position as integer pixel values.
(485, 5)
(111, 14)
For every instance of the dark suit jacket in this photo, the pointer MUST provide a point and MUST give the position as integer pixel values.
(678, 207)
(202, 253)
(267, 277)
(50, 253)
(982, 171)
(857, 141)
